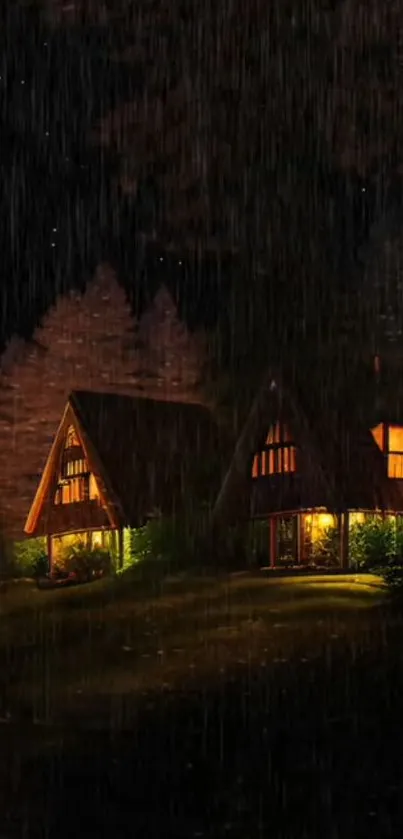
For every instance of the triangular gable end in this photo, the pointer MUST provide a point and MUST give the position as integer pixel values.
(69, 426)
(278, 453)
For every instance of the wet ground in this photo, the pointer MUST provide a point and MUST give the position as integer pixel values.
(313, 749)
(305, 741)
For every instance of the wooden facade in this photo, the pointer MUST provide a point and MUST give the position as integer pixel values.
(311, 488)
(115, 460)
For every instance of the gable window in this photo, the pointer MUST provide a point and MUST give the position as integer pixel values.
(395, 452)
(71, 438)
(76, 467)
(278, 455)
(389, 438)
(72, 491)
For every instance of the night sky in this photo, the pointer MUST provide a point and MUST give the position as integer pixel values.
(60, 214)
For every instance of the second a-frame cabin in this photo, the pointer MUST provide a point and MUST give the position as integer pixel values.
(316, 472)
(115, 462)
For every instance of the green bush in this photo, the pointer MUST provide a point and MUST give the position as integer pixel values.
(326, 549)
(373, 543)
(30, 558)
(377, 545)
(166, 539)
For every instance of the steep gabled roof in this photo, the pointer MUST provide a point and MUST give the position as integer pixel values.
(44, 495)
(340, 468)
(146, 455)
(355, 468)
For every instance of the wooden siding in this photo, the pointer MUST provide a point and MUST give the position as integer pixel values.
(284, 493)
(63, 518)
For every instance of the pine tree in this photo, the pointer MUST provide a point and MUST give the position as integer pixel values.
(171, 357)
(87, 342)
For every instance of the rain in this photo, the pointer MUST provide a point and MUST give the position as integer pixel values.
(201, 418)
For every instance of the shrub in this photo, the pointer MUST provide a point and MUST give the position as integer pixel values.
(165, 539)
(326, 549)
(372, 543)
(377, 545)
(30, 558)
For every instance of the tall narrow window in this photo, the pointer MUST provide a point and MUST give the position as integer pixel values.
(71, 438)
(395, 452)
(278, 455)
(389, 438)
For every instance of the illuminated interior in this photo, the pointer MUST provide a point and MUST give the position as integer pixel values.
(77, 487)
(76, 467)
(356, 518)
(61, 544)
(71, 438)
(389, 438)
(316, 524)
(278, 455)
(91, 539)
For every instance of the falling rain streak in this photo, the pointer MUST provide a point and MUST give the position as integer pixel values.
(201, 204)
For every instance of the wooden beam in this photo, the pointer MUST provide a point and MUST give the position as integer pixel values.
(273, 541)
(300, 538)
(49, 551)
(344, 537)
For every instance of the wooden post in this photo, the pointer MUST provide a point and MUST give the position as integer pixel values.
(49, 551)
(300, 538)
(344, 537)
(273, 541)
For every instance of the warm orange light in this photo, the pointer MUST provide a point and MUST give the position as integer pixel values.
(357, 518)
(71, 438)
(378, 435)
(395, 439)
(277, 434)
(395, 466)
(317, 523)
(94, 491)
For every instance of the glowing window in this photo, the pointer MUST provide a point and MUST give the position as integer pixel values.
(395, 466)
(94, 492)
(278, 455)
(71, 438)
(278, 433)
(379, 436)
(395, 439)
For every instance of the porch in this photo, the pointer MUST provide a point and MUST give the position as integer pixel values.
(307, 539)
(109, 540)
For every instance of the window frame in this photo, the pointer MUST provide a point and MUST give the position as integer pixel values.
(278, 451)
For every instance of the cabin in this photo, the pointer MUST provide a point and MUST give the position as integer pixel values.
(116, 462)
(317, 472)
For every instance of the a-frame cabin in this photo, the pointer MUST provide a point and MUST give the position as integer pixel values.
(115, 462)
(317, 471)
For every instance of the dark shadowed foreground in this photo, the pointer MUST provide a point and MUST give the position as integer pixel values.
(238, 707)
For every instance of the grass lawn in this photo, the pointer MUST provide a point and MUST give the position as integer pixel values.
(72, 653)
(236, 707)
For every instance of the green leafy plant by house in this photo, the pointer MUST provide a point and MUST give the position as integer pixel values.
(164, 538)
(30, 558)
(326, 549)
(167, 539)
(377, 545)
(373, 543)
